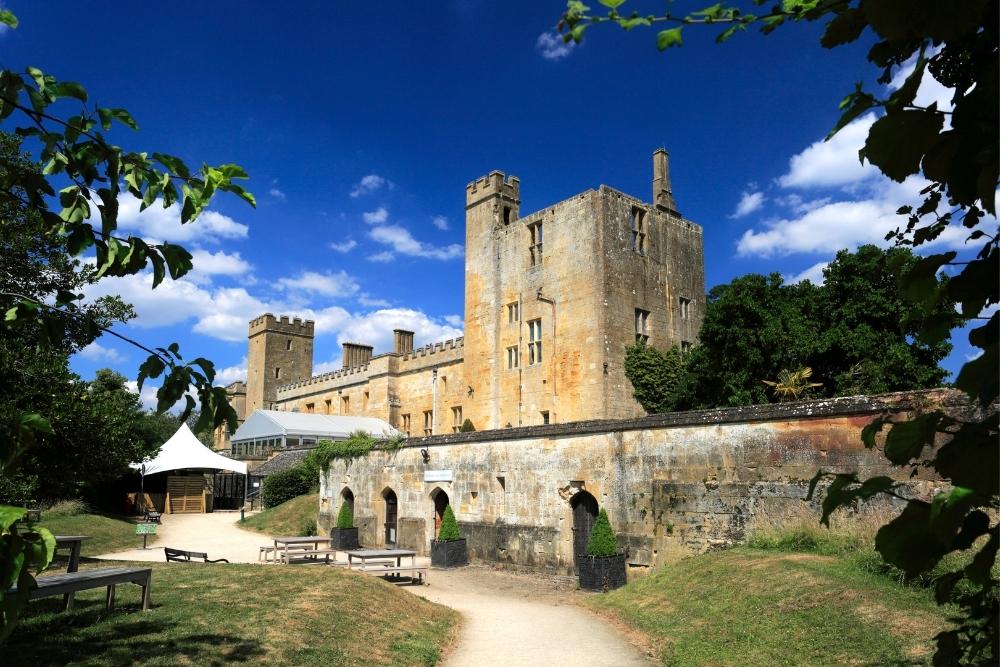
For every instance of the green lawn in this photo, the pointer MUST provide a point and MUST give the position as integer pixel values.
(293, 517)
(107, 533)
(230, 614)
(751, 607)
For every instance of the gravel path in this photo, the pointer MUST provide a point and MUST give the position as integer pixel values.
(519, 619)
(508, 619)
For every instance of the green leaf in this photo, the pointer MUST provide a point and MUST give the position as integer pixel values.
(177, 258)
(898, 141)
(844, 28)
(8, 19)
(907, 439)
(611, 4)
(8, 515)
(70, 89)
(907, 541)
(668, 38)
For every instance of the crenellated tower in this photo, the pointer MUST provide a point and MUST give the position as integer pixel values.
(279, 352)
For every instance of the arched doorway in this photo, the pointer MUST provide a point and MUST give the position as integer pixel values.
(391, 513)
(441, 502)
(584, 508)
(347, 496)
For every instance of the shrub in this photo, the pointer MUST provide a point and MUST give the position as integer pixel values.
(282, 486)
(356, 445)
(308, 529)
(602, 538)
(467, 426)
(344, 518)
(449, 527)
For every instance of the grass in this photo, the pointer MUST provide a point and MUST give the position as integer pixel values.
(752, 607)
(222, 614)
(107, 533)
(293, 517)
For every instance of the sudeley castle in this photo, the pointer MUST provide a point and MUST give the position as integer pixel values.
(552, 299)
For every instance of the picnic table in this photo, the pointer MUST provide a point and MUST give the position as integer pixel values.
(387, 563)
(305, 544)
(73, 543)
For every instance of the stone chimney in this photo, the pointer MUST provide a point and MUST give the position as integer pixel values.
(356, 354)
(402, 341)
(663, 195)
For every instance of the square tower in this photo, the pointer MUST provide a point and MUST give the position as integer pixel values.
(279, 352)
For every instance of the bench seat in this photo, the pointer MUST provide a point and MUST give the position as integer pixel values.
(389, 570)
(182, 556)
(311, 555)
(72, 582)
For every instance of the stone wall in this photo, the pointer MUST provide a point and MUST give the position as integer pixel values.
(671, 484)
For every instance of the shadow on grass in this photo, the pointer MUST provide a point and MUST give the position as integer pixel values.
(89, 634)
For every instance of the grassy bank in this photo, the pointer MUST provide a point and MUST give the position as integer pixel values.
(107, 533)
(219, 614)
(294, 517)
(752, 607)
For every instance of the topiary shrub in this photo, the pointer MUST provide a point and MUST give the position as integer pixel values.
(449, 527)
(344, 518)
(282, 486)
(467, 426)
(602, 537)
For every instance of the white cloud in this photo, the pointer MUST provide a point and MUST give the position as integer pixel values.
(164, 224)
(229, 374)
(552, 47)
(147, 397)
(345, 246)
(834, 162)
(277, 194)
(382, 257)
(376, 217)
(813, 274)
(403, 243)
(337, 284)
(371, 183)
(97, 352)
(440, 222)
(371, 302)
(749, 202)
(208, 264)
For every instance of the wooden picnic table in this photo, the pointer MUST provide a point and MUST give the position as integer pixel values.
(281, 552)
(73, 543)
(367, 555)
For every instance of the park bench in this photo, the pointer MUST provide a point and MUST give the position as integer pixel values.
(417, 572)
(73, 582)
(182, 556)
(310, 555)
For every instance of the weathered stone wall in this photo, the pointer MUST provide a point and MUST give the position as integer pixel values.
(279, 351)
(671, 483)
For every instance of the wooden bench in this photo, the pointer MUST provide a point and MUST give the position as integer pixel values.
(390, 570)
(265, 554)
(310, 554)
(181, 556)
(73, 582)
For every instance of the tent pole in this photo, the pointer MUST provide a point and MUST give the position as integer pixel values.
(142, 490)
(243, 507)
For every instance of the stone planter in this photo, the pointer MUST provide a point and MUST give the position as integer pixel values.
(602, 573)
(449, 554)
(344, 538)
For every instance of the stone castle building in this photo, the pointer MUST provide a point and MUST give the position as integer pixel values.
(552, 299)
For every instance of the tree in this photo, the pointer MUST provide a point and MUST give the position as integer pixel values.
(792, 385)
(957, 151)
(449, 527)
(655, 376)
(88, 172)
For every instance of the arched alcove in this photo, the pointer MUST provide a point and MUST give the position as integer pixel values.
(441, 501)
(390, 516)
(585, 509)
(347, 496)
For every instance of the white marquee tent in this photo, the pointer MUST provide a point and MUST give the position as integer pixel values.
(184, 451)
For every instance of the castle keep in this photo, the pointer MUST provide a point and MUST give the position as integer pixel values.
(552, 299)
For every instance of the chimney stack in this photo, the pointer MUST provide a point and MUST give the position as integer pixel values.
(356, 354)
(663, 195)
(402, 341)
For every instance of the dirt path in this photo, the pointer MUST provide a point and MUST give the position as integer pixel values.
(518, 619)
(509, 619)
(216, 534)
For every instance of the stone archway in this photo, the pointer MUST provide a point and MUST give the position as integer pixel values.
(347, 496)
(585, 508)
(441, 502)
(391, 516)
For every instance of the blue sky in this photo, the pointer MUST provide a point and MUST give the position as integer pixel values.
(361, 123)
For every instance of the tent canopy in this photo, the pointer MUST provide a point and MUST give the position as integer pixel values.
(271, 423)
(184, 450)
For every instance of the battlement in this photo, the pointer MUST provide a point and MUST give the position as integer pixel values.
(434, 348)
(496, 183)
(268, 322)
(361, 371)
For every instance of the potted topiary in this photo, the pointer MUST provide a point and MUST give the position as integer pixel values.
(344, 536)
(449, 549)
(602, 568)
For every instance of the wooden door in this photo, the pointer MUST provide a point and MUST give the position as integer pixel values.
(584, 515)
(390, 518)
(186, 495)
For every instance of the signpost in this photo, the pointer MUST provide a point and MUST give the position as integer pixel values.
(145, 529)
